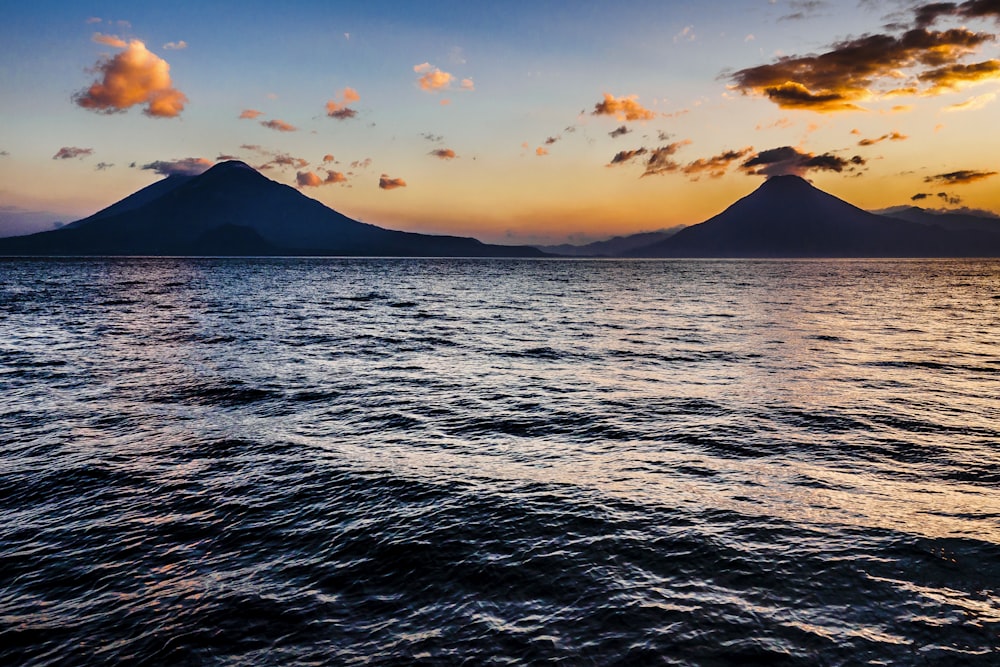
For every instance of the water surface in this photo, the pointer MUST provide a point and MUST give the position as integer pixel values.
(267, 461)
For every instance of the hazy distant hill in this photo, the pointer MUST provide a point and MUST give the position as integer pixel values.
(788, 217)
(614, 247)
(232, 209)
(953, 221)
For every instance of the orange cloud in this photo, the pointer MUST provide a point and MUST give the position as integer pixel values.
(387, 183)
(431, 78)
(955, 76)
(340, 110)
(541, 151)
(250, 113)
(109, 40)
(623, 109)
(715, 166)
(134, 76)
(443, 153)
(468, 84)
(279, 125)
(328, 158)
(867, 67)
(70, 152)
(308, 179)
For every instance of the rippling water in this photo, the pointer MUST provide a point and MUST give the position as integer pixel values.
(499, 462)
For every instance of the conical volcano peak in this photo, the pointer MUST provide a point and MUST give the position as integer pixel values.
(787, 182)
(230, 165)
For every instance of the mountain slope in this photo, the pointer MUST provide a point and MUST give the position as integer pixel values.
(233, 201)
(788, 217)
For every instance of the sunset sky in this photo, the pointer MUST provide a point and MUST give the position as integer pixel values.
(517, 122)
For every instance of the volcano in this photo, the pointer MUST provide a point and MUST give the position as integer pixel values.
(788, 217)
(232, 209)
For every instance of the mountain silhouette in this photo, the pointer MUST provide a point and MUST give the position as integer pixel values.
(232, 209)
(613, 247)
(950, 220)
(788, 217)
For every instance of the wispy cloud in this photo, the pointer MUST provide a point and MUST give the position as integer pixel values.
(175, 46)
(250, 114)
(189, 166)
(71, 152)
(279, 125)
(891, 136)
(109, 40)
(973, 103)
(656, 160)
(961, 177)
(715, 166)
(136, 76)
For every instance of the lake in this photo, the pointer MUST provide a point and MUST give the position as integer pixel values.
(419, 461)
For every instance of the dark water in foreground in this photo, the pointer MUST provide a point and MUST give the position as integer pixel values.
(277, 462)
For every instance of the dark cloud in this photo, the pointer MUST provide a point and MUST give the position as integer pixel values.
(340, 110)
(619, 131)
(189, 166)
(661, 159)
(920, 196)
(70, 152)
(627, 156)
(950, 199)
(862, 68)
(789, 160)
(551, 140)
(279, 125)
(961, 177)
(657, 160)
(444, 153)
(435, 138)
(101, 166)
(927, 15)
